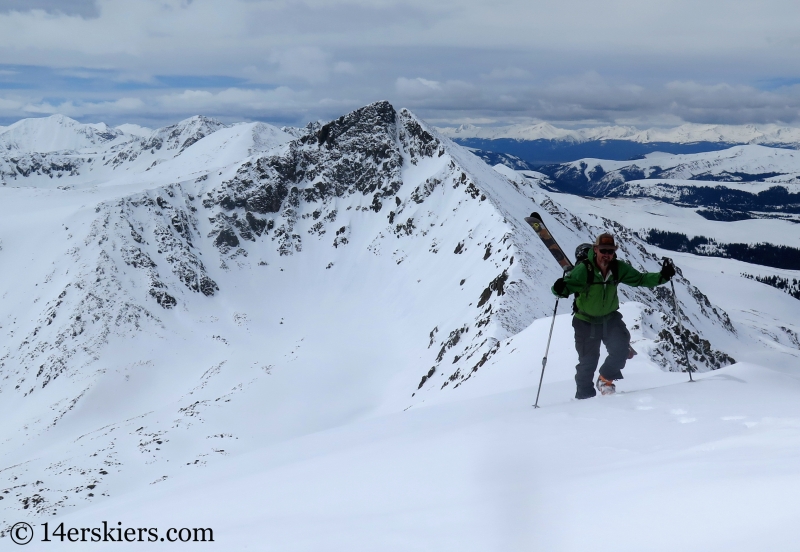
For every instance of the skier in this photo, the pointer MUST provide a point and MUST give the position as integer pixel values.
(597, 318)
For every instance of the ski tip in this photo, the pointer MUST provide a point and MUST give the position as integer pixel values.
(536, 215)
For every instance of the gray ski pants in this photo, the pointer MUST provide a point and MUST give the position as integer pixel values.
(613, 333)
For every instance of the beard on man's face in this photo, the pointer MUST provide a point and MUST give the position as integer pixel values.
(602, 261)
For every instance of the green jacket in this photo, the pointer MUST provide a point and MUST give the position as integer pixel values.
(600, 299)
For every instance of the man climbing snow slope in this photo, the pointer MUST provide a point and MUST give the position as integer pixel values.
(597, 318)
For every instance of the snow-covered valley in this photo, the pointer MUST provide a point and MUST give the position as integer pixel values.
(331, 338)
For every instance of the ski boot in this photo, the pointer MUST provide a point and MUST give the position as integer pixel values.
(606, 387)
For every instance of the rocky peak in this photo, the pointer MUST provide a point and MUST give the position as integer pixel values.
(182, 134)
(375, 119)
(355, 154)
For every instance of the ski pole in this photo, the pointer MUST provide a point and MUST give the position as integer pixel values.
(547, 349)
(680, 324)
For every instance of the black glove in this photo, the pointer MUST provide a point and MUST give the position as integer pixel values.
(560, 286)
(667, 270)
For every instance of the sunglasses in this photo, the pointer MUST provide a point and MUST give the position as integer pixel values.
(606, 251)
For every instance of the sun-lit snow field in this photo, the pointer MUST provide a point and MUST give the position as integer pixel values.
(284, 411)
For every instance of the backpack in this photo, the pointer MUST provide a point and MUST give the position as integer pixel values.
(582, 252)
(582, 256)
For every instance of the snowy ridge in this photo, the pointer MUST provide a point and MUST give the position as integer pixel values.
(166, 140)
(153, 153)
(683, 134)
(319, 175)
(294, 197)
(57, 133)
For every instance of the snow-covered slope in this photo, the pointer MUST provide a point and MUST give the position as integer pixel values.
(57, 133)
(746, 179)
(747, 164)
(144, 159)
(344, 323)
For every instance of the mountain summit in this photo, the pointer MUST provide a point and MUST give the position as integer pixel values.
(56, 133)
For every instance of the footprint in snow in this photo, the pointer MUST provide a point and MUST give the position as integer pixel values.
(681, 418)
(643, 403)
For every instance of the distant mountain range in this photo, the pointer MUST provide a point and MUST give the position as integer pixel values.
(684, 134)
(544, 144)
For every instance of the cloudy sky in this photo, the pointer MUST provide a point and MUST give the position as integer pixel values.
(570, 62)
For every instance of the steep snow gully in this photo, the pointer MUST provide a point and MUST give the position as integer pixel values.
(208, 291)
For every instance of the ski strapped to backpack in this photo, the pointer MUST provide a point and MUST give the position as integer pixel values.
(581, 253)
(535, 220)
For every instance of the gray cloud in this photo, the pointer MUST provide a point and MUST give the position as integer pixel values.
(452, 60)
(341, 19)
(84, 8)
(581, 99)
(591, 98)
